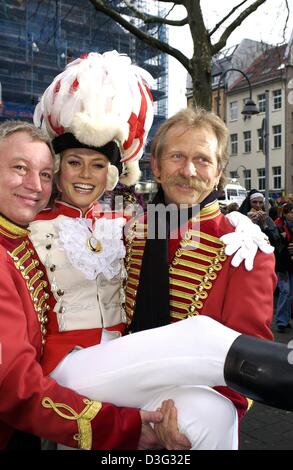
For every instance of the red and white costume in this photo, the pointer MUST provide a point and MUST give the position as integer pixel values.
(87, 303)
(30, 401)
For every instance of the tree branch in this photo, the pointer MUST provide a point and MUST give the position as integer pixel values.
(216, 27)
(101, 5)
(149, 19)
(229, 30)
(286, 22)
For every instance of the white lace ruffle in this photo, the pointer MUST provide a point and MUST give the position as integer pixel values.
(74, 235)
(245, 241)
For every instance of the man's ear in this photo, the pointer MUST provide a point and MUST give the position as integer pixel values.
(155, 167)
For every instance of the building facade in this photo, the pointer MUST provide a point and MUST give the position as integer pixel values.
(268, 75)
(269, 69)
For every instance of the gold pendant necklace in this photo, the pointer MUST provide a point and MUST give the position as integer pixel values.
(94, 245)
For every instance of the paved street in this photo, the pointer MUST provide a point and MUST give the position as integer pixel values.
(266, 428)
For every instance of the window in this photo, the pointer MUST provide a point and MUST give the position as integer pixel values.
(247, 179)
(247, 141)
(215, 79)
(231, 193)
(233, 174)
(234, 144)
(259, 137)
(261, 174)
(277, 177)
(277, 133)
(261, 103)
(233, 111)
(277, 95)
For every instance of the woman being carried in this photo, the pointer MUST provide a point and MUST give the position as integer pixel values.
(97, 112)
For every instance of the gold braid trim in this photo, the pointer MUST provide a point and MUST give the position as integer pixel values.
(14, 230)
(92, 408)
(250, 403)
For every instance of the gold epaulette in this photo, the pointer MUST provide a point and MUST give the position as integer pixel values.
(83, 419)
(11, 230)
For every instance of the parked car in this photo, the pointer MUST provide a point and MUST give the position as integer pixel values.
(233, 192)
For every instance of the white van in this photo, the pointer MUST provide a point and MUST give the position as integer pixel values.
(233, 192)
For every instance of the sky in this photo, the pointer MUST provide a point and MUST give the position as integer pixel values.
(266, 24)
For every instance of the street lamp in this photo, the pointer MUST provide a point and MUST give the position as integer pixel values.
(266, 149)
(250, 107)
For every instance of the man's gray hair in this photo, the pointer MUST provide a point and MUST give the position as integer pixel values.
(8, 128)
(195, 118)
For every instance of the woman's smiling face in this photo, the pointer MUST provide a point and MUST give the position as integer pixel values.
(82, 177)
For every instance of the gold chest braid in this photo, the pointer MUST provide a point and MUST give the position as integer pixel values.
(133, 261)
(192, 272)
(26, 263)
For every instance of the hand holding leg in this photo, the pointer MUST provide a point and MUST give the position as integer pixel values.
(148, 438)
(167, 430)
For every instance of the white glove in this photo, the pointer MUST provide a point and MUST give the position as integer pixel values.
(245, 241)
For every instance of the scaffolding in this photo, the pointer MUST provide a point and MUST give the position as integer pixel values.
(39, 37)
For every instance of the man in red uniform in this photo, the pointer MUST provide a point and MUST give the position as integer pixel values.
(30, 401)
(173, 277)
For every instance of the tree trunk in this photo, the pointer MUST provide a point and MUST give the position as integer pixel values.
(200, 63)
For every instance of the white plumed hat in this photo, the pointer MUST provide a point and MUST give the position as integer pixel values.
(98, 99)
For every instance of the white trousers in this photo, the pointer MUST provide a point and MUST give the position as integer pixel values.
(176, 361)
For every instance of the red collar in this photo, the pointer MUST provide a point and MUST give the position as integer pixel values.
(63, 208)
(72, 211)
(95, 211)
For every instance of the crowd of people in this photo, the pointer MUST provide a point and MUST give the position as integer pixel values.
(184, 279)
(277, 225)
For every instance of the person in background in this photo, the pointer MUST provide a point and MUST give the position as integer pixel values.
(274, 213)
(233, 206)
(284, 268)
(253, 207)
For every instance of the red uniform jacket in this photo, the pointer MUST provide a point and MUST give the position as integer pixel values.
(30, 401)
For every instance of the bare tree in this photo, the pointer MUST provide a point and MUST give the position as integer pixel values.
(199, 65)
